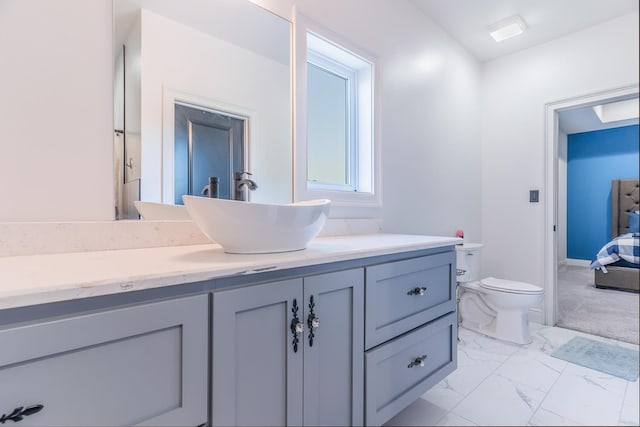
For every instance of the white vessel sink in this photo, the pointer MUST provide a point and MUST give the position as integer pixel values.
(152, 211)
(257, 228)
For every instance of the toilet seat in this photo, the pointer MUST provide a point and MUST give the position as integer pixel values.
(510, 286)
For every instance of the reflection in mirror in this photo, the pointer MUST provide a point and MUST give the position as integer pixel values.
(202, 93)
(208, 150)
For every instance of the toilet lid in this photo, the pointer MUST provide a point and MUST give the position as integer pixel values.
(510, 286)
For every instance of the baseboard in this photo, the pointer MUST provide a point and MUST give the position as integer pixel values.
(578, 262)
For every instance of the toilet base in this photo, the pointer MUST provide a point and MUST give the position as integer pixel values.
(512, 326)
(497, 314)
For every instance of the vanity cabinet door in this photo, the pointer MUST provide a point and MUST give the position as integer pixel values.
(137, 365)
(334, 350)
(257, 360)
(263, 374)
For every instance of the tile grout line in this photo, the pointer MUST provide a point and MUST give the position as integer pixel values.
(479, 384)
(624, 399)
(546, 395)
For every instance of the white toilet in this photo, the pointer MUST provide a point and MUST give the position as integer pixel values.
(494, 307)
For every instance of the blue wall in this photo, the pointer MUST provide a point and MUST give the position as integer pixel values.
(594, 159)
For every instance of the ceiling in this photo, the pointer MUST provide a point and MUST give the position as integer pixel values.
(466, 20)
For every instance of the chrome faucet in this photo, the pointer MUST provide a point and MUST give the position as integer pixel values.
(211, 189)
(243, 185)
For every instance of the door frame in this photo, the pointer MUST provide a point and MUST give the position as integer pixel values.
(550, 306)
(170, 98)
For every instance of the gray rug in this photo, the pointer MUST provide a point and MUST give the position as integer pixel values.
(610, 359)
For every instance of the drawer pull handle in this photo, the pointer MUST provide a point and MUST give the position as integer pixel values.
(20, 412)
(417, 291)
(312, 321)
(417, 362)
(296, 326)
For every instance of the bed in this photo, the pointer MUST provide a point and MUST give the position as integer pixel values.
(625, 195)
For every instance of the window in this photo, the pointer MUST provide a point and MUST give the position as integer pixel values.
(339, 118)
(329, 126)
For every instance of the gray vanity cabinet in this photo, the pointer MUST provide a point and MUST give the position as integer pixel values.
(347, 343)
(267, 372)
(410, 331)
(137, 365)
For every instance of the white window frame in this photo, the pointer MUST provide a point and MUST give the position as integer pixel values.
(364, 200)
(351, 76)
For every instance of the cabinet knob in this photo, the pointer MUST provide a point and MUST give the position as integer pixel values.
(417, 291)
(417, 362)
(315, 322)
(299, 328)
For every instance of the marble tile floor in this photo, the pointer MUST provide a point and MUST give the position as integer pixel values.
(499, 383)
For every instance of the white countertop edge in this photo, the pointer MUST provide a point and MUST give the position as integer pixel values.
(39, 279)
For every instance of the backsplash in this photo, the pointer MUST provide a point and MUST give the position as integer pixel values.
(36, 238)
(31, 238)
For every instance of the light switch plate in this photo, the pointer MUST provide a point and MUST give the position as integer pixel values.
(534, 196)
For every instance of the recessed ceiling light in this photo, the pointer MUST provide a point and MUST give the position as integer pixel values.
(507, 28)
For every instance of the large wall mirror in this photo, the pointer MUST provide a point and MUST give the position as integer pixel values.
(202, 89)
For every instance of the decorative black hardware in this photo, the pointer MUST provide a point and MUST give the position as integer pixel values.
(296, 326)
(312, 321)
(417, 291)
(19, 413)
(418, 361)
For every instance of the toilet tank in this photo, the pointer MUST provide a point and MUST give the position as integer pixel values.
(468, 262)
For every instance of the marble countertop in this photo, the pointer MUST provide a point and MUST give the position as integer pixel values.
(38, 279)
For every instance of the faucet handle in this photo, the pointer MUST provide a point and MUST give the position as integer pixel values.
(241, 175)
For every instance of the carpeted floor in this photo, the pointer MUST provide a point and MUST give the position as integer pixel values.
(605, 312)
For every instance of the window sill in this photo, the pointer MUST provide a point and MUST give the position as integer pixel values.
(346, 204)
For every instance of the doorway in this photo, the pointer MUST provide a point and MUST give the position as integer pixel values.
(552, 185)
(207, 144)
(592, 154)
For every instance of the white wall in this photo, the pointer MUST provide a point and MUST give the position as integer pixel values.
(56, 110)
(181, 59)
(430, 114)
(515, 90)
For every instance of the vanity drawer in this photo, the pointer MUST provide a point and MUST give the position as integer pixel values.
(395, 378)
(136, 365)
(403, 295)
